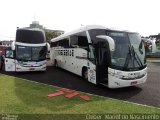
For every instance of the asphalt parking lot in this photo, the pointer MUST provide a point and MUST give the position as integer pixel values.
(147, 93)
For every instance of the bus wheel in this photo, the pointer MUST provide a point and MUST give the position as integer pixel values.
(55, 64)
(85, 73)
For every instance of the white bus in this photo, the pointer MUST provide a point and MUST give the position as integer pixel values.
(28, 52)
(150, 45)
(101, 56)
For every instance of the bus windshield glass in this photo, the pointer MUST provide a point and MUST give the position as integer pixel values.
(118, 57)
(27, 53)
(30, 36)
(129, 50)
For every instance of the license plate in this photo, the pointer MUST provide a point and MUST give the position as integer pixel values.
(133, 83)
(31, 69)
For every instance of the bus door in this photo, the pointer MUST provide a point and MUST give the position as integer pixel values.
(91, 65)
(9, 61)
(102, 61)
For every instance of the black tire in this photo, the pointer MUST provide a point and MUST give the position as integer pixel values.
(85, 73)
(2, 67)
(55, 63)
(1, 64)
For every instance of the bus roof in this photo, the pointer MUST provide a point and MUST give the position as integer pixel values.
(30, 35)
(85, 28)
(31, 29)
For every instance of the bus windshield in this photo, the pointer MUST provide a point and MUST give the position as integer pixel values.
(27, 53)
(30, 36)
(129, 50)
(118, 57)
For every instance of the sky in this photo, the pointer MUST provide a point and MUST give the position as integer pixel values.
(140, 16)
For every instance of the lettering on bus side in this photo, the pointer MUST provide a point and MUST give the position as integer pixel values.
(65, 52)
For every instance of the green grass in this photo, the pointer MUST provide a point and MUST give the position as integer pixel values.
(18, 96)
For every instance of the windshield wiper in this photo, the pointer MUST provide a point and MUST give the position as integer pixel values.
(136, 58)
(132, 55)
(129, 56)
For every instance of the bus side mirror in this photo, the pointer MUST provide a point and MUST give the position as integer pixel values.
(9, 54)
(13, 46)
(48, 47)
(109, 40)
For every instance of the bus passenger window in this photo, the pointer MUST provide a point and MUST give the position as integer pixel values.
(64, 43)
(79, 40)
(53, 44)
(83, 42)
(73, 41)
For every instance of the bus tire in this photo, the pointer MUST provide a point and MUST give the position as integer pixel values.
(85, 73)
(2, 67)
(55, 63)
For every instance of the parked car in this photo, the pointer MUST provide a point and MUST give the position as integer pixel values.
(3, 48)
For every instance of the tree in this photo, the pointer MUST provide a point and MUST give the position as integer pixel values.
(50, 35)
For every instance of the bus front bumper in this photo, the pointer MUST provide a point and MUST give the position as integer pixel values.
(119, 83)
(27, 69)
(119, 79)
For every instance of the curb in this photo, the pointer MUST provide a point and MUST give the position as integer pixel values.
(153, 60)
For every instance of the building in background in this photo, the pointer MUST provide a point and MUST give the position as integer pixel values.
(48, 32)
(152, 45)
(6, 43)
(35, 24)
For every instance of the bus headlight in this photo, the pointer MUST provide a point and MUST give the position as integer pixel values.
(117, 74)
